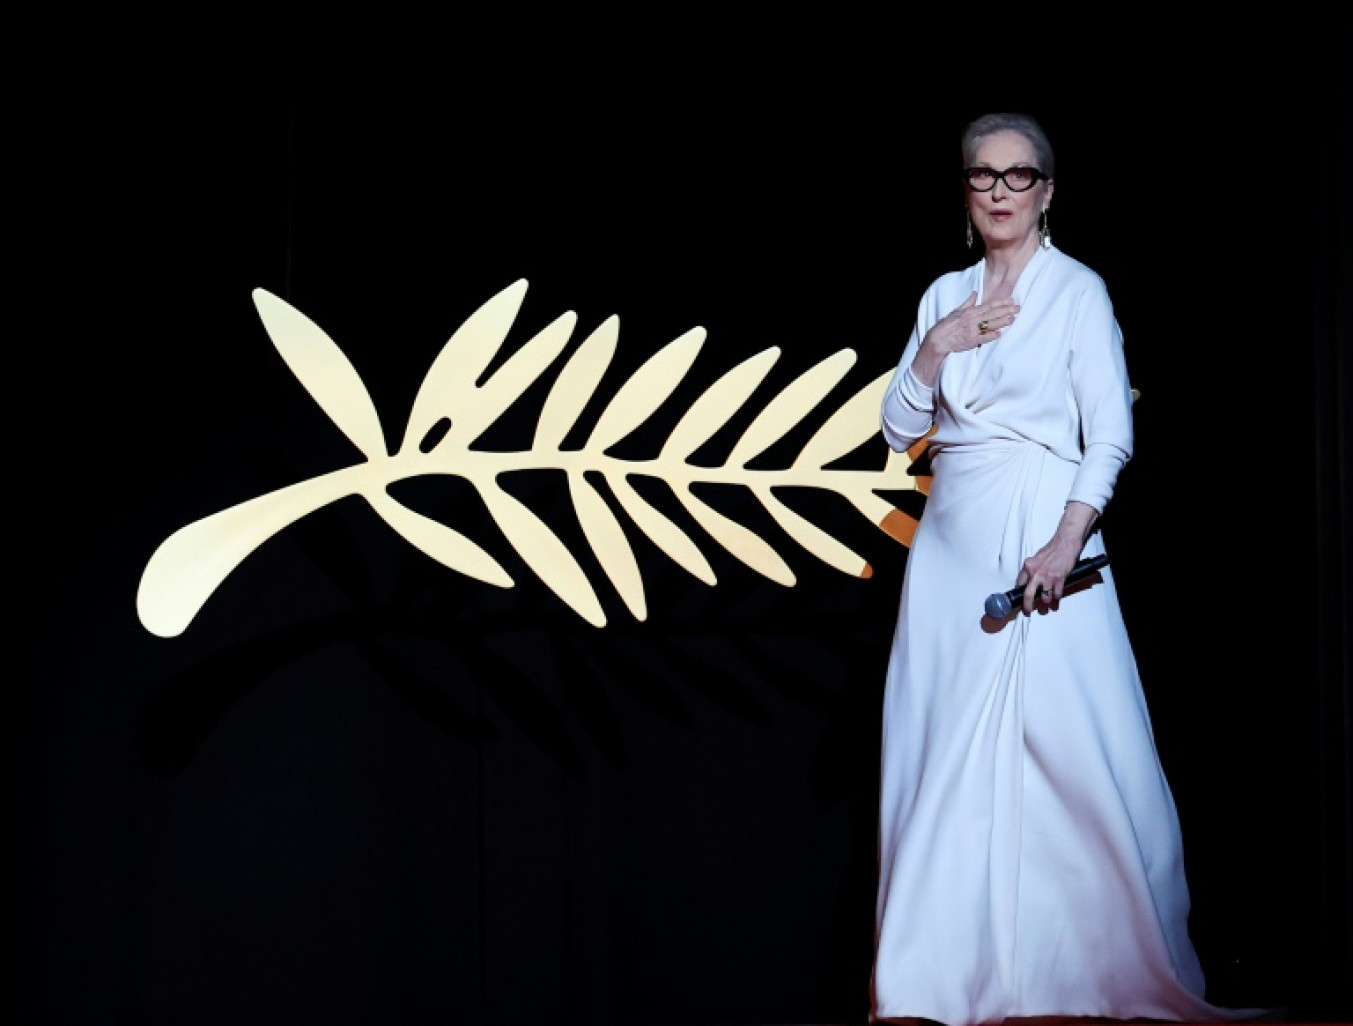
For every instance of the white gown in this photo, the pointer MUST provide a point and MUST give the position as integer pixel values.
(1030, 853)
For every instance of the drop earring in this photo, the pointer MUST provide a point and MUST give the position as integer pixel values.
(968, 214)
(1044, 232)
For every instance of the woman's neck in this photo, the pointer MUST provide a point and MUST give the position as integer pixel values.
(1003, 267)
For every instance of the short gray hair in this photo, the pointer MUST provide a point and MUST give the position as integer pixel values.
(988, 124)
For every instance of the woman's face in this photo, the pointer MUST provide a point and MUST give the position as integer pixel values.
(1005, 218)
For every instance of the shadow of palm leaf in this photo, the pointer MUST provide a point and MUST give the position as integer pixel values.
(182, 712)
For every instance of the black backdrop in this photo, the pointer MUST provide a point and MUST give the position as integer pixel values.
(362, 788)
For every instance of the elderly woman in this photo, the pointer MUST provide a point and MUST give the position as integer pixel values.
(1030, 854)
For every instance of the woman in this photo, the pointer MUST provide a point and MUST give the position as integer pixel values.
(1030, 852)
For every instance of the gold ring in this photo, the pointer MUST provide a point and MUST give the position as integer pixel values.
(982, 327)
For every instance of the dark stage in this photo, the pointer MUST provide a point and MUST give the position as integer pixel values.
(360, 787)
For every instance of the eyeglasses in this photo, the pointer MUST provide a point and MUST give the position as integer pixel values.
(1016, 179)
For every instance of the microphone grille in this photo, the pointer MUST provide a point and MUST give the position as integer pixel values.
(998, 606)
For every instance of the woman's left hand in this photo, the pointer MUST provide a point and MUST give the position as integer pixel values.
(1043, 575)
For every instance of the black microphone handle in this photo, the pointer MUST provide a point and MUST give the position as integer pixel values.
(998, 606)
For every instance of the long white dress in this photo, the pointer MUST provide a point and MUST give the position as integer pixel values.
(1030, 853)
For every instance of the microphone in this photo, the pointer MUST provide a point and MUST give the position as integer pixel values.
(998, 606)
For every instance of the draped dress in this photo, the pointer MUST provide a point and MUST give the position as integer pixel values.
(1030, 853)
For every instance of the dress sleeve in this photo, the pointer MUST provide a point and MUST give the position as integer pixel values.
(908, 405)
(1099, 382)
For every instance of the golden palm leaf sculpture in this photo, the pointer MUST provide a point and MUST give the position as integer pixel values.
(187, 567)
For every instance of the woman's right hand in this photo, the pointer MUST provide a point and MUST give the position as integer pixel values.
(965, 328)
(970, 325)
